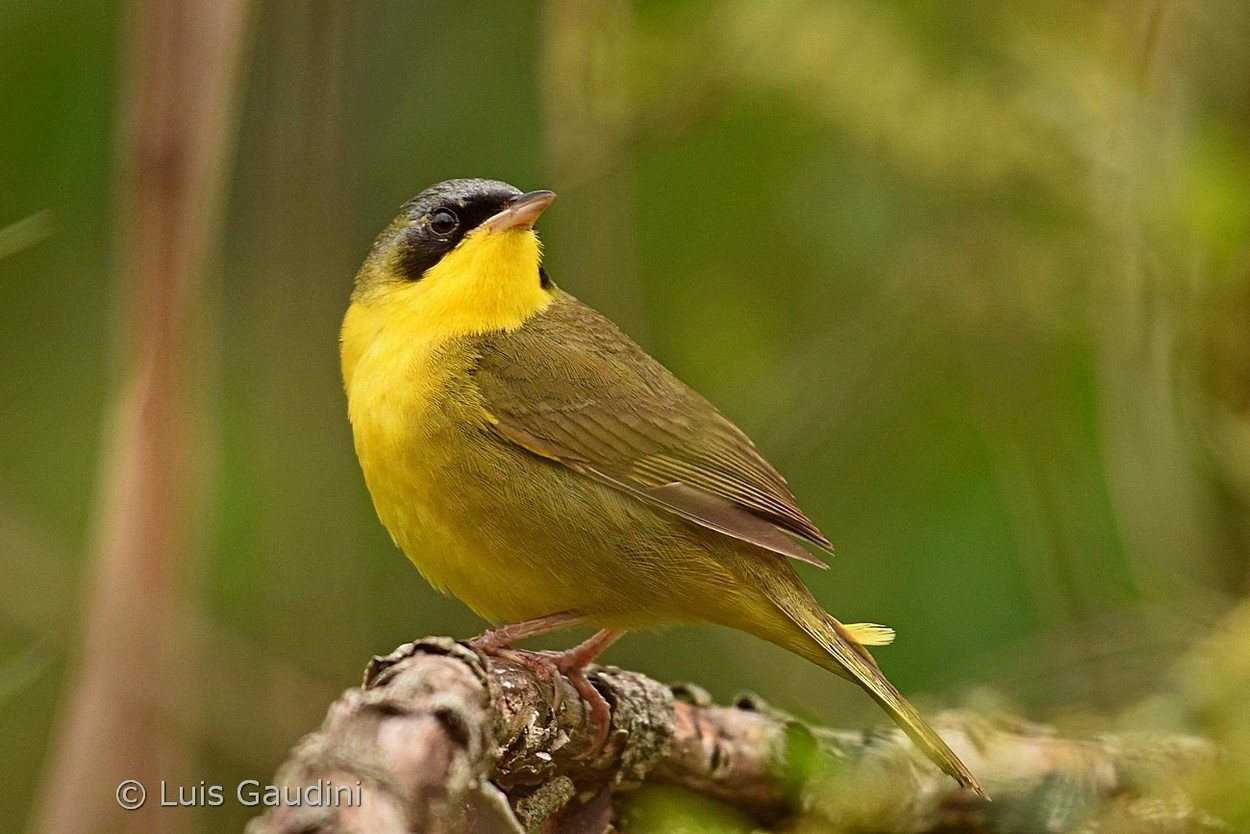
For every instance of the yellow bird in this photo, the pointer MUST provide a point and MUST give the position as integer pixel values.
(536, 463)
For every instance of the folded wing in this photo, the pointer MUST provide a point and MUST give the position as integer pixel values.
(570, 386)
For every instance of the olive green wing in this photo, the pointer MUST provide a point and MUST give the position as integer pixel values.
(570, 386)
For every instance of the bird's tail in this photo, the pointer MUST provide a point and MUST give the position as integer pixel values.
(830, 644)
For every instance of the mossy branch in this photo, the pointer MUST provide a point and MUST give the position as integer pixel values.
(444, 739)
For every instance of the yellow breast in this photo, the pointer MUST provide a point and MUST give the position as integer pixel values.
(409, 395)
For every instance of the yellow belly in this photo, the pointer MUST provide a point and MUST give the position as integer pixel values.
(512, 535)
(400, 409)
(458, 501)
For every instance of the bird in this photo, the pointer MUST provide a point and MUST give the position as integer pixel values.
(536, 463)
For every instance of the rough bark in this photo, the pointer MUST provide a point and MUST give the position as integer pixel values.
(444, 739)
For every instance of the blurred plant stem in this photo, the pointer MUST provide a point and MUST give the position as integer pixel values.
(26, 233)
(39, 595)
(175, 131)
(588, 118)
(1150, 291)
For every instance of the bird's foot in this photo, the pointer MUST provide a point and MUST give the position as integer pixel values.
(571, 665)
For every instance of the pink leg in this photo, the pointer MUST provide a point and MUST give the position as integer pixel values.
(580, 656)
(498, 638)
(570, 663)
(573, 664)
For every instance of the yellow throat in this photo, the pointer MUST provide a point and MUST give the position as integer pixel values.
(490, 281)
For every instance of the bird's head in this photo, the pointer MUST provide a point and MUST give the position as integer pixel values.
(461, 258)
(466, 242)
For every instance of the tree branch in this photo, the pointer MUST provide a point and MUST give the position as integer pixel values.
(443, 739)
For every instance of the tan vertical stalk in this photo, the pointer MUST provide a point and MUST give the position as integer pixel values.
(181, 63)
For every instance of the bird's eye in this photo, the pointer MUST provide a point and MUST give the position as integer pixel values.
(443, 221)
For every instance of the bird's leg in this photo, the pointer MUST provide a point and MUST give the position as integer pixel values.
(570, 663)
(581, 655)
(504, 636)
(497, 642)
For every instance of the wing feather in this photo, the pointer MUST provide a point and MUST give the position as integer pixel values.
(570, 386)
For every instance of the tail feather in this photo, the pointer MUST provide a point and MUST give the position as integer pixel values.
(864, 671)
(868, 634)
(844, 654)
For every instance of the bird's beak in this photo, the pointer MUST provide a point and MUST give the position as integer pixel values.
(521, 213)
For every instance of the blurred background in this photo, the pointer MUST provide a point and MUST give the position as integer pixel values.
(975, 276)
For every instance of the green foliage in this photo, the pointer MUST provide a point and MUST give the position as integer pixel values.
(661, 809)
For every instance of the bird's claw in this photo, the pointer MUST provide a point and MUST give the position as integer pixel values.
(570, 665)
